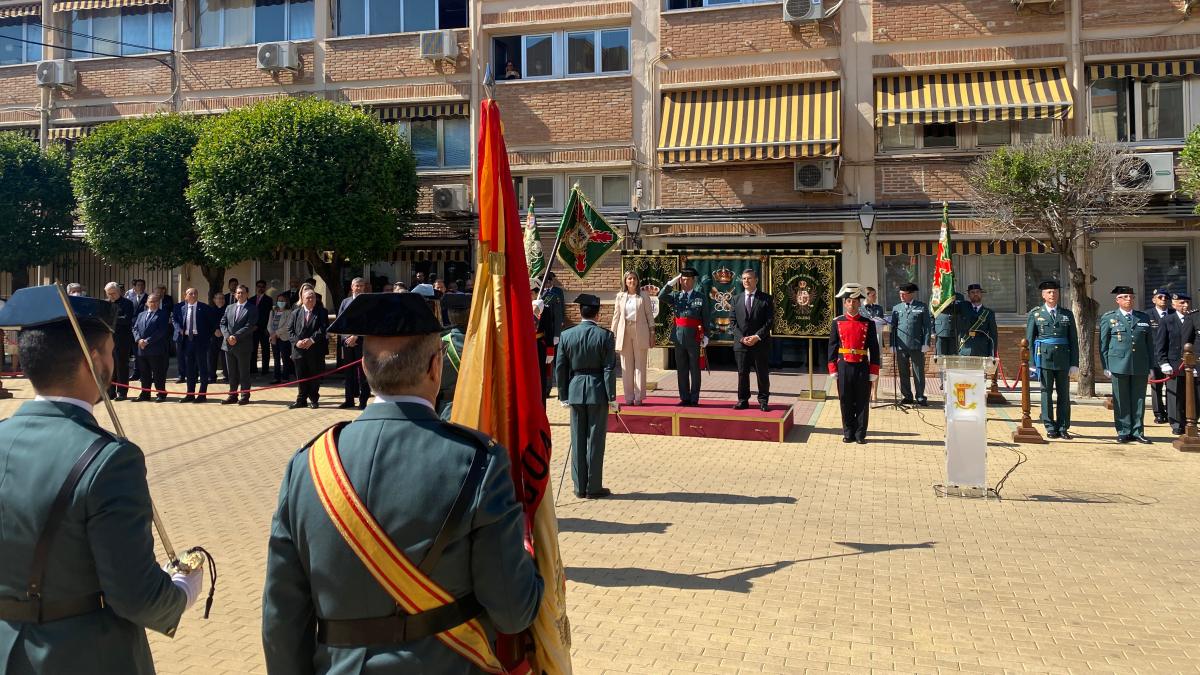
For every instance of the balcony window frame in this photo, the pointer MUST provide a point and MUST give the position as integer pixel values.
(404, 130)
(197, 35)
(560, 62)
(76, 31)
(30, 30)
(715, 4)
(437, 12)
(599, 198)
(1133, 90)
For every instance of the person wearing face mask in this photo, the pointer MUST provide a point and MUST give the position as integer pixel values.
(281, 346)
(1126, 354)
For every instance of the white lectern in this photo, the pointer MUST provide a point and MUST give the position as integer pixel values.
(966, 420)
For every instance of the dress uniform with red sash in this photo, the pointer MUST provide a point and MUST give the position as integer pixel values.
(691, 317)
(854, 359)
(397, 545)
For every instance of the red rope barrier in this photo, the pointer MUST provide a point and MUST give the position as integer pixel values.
(318, 376)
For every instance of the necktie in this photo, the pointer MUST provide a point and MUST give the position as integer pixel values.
(749, 298)
(191, 320)
(237, 313)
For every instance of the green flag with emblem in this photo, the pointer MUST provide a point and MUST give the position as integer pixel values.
(941, 294)
(584, 236)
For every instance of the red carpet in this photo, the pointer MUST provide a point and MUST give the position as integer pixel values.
(711, 419)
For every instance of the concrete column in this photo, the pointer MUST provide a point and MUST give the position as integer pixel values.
(1076, 73)
(645, 50)
(322, 30)
(46, 94)
(858, 133)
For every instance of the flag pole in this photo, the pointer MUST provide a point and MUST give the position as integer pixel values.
(554, 248)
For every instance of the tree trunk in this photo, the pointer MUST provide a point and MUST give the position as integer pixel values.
(331, 274)
(1084, 308)
(215, 276)
(20, 278)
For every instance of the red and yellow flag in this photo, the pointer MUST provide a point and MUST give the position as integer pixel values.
(499, 383)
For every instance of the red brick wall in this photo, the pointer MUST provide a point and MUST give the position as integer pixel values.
(913, 180)
(388, 57)
(17, 86)
(572, 12)
(103, 78)
(236, 67)
(726, 32)
(974, 55)
(1099, 13)
(779, 69)
(580, 110)
(735, 187)
(1142, 45)
(900, 20)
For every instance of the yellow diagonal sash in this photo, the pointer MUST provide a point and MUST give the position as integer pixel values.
(412, 590)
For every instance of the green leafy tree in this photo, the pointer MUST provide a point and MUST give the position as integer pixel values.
(129, 178)
(310, 175)
(1189, 160)
(35, 206)
(1059, 191)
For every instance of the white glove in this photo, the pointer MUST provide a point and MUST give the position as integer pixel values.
(872, 377)
(1075, 371)
(674, 281)
(614, 407)
(924, 349)
(188, 583)
(704, 342)
(1167, 369)
(549, 360)
(538, 306)
(1107, 373)
(564, 404)
(555, 342)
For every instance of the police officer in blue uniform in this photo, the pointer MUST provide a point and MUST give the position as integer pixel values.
(691, 320)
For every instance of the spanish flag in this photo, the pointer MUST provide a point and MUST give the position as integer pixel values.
(500, 391)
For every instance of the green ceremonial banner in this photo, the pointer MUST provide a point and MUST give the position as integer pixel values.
(584, 236)
(941, 291)
(721, 280)
(654, 271)
(534, 258)
(803, 287)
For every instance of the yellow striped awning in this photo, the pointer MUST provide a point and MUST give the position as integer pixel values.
(15, 11)
(412, 112)
(1017, 94)
(27, 132)
(68, 133)
(399, 255)
(968, 247)
(1180, 67)
(774, 121)
(80, 5)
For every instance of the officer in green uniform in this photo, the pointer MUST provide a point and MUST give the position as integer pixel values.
(458, 310)
(78, 580)
(911, 326)
(946, 337)
(691, 321)
(1053, 357)
(975, 325)
(1126, 354)
(584, 366)
(441, 494)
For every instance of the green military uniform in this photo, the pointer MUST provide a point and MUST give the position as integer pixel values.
(451, 357)
(1054, 351)
(911, 326)
(1126, 351)
(976, 330)
(584, 364)
(689, 307)
(945, 329)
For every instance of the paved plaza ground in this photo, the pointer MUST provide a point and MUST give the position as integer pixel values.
(722, 556)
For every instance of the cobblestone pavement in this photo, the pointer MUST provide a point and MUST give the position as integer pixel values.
(735, 556)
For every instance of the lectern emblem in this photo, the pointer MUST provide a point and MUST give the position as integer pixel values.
(960, 395)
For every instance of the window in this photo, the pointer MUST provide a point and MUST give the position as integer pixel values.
(998, 276)
(439, 143)
(569, 54)
(919, 136)
(690, 4)
(612, 192)
(119, 31)
(940, 135)
(1166, 266)
(964, 135)
(1109, 117)
(991, 134)
(1162, 109)
(1010, 282)
(12, 48)
(379, 17)
(1125, 109)
(1040, 267)
(541, 188)
(229, 23)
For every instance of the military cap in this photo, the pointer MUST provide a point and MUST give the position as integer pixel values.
(1122, 290)
(587, 300)
(1161, 291)
(974, 287)
(42, 305)
(457, 301)
(1049, 285)
(851, 291)
(1181, 296)
(387, 315)
(689, 272)
(427, 291)
(908, 288)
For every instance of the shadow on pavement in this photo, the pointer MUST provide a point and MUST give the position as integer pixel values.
(702, 498)
(588, 526)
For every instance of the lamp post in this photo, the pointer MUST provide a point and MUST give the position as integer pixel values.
(866, 219)
(633, 226)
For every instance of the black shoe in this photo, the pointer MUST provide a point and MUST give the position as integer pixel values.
(346, 405)
(1052, 434)
(229, 400)
(847, 439)
(907, 401)
(180, 380)
(187, 399)
(1160, 420)
(1141, 438)
(1178, 431)
(202, 399)
(1065, 435)
(362, 405)
(1124, 439)
(599, 494)
(277, 381)
(764, 407)
(922, 401)
(314, 405)
(161, 399)
(296, 404)
(861, 441)
(741, 405)
(121, 397)
(580, 495)
(142, 397)
(244, 401)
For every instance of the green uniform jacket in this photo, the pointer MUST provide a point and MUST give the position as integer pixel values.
(691, 305)
(976, 330)
(586, 347)
(911, 325)
(1126, 344)
(103, 545)
(1040, 325)
(451, 358)
(406, 465)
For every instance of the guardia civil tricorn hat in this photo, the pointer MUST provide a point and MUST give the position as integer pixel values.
(42, 305)
(851, 291)
(387, 315)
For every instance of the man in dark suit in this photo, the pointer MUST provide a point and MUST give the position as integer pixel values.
(193, 331)
(237, 341)
(1173, 332)
(309, 345)
(229, 296)
(151, 332)
(262, 337)
(165, 302)
(122, 341)
(753, 317)
(136, 295)
(351, 350)
(216, 355)
(1158, 316)
(584, 363)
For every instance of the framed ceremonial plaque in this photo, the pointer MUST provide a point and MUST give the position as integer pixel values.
(654, 270)
(803, 287)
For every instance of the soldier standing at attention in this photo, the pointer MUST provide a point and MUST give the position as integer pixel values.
(78, 580)
(945, 330)
(547, 331)
(1054, 358)
(1158, 316)
(854, 359)
(398, 543)
(585, 361)
(691, 316)
(911, 326)
(975, 325)
(1126, 354)
(458, 310)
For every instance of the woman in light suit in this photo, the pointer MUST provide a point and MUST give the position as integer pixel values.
(633, 324)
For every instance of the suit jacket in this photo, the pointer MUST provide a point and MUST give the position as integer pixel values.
(155, 328)
(123, 327)
(643, 325)
(760, 321)
(138, 301)
(263, 305)
(1169, 339)
(912, 325)
(1041, 326)
(103, 543)
(240, 327)
(406, 466)
(1126, 343)
(341, 310)
(314, 328)
(165, 302)
(206, 320)
(586, 347)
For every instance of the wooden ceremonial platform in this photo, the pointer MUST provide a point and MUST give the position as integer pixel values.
(663, 416)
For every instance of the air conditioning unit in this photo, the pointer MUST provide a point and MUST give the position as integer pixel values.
(55, 73)
(438, 44)
(805, 10)
(278, 56)
(814, 175)
(449, 199)
(1146, 172)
